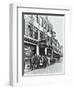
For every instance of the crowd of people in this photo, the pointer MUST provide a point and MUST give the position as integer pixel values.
(38, 61)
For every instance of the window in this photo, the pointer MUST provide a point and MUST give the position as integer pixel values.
(42, 22)
(37, 19)
(30, 31)
(35, 33)
(40, 19)
(41, 35)
(26, 30)
(48, 28)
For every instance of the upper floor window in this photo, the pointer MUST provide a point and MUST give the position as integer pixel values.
(42, 35)
(30, 30)
(42, 22)
(45, 25)
(36, 34)
(37, 19)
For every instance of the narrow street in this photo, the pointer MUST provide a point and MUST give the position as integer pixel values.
(51, 69)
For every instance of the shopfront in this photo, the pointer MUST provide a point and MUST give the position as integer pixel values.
(29, 51)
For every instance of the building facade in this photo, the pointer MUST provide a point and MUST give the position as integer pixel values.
(39, 38)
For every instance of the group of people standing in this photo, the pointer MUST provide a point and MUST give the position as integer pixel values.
(38, 61)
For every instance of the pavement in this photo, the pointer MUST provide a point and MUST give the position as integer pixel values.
(51, 69)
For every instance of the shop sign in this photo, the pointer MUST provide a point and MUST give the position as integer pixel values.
(42, 42)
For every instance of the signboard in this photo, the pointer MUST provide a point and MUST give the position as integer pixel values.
(42, 43)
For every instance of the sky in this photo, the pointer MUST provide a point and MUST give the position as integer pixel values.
(58, 27)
